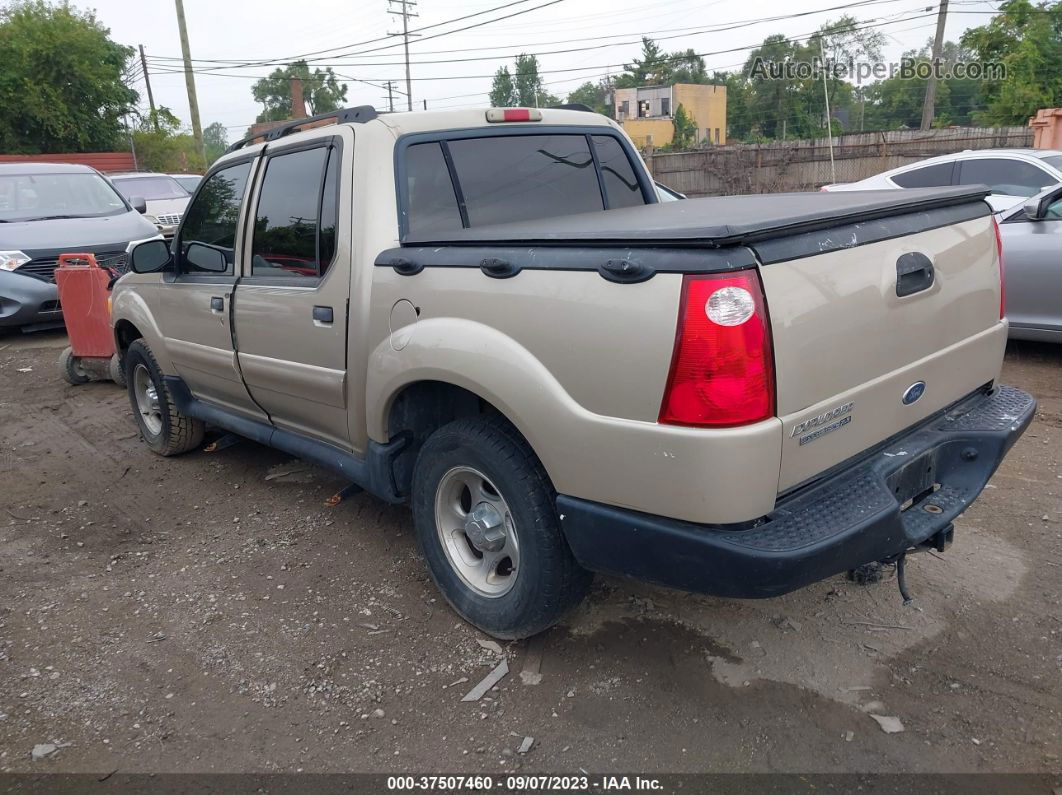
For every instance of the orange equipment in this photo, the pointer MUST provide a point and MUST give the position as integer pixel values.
(84, 294)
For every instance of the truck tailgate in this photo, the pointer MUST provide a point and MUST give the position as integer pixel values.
(858, 357)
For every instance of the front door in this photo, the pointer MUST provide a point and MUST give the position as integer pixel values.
(290, 308)
(195, 305)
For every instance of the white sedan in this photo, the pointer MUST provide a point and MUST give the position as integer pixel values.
(1014, 175)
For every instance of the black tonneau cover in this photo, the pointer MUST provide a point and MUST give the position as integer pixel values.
(714, 221)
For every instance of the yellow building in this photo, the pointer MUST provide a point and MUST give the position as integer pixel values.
(647, 113)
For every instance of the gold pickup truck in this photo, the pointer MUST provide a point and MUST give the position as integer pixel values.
(489, 315)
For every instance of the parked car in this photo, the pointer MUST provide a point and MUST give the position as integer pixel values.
(666, 194)
(166, 198)
(561, 374)
(1013, 175)
(188, 181)
(1032, 256)
(47, 209)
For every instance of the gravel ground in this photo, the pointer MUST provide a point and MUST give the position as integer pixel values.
(209, 613)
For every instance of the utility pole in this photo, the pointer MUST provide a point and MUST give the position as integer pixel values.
(929, 107)
(390, 96)
(147, 82)
(189, 81)
(405, 13)
(829, 120)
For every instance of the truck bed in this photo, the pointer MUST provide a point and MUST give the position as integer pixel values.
(720, 221)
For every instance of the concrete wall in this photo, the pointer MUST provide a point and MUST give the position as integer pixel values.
(644, 132)
(707, 106)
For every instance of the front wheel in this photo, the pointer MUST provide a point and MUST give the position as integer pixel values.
(163, 427)
(486, 523)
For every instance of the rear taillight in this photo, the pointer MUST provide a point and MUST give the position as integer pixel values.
(722, 370)
(1002, 279)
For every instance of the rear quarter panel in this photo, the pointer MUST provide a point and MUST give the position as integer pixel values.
(579, 365)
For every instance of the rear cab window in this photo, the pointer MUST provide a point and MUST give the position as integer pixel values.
(479, 180)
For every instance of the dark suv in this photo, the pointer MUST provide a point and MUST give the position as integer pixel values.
(47, 209)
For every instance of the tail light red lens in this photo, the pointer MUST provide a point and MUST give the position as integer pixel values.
(722, 369)
(1002, 279)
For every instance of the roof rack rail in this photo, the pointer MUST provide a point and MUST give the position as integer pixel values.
(574, 106)
(358, 115)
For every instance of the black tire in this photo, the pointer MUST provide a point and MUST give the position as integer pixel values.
(116, 370)
(70, 367)
(549, 581)
(177, 433)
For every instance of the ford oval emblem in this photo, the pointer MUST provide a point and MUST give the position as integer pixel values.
(914, 392)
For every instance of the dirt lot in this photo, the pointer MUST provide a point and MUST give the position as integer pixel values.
(208, 613)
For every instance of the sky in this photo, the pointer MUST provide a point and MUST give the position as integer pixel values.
(344, 33)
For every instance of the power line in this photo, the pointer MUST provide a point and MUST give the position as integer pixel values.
(305, 56)
(511, 50)
(868, 25)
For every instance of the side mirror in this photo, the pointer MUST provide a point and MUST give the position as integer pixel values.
(200, 256)
(151, 256)
(138, 203)
(1035, 208)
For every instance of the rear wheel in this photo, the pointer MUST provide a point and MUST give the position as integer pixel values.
(164, 429)
(70, 367)
(486, 523)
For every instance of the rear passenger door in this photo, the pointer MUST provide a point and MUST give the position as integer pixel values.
(290, 307)
(195, 306)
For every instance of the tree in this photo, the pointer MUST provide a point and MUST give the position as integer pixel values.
(685, 135)
(896, 102)
(161, 144)
(649, 70)
(520, 88)
(320, 90)
(502, 91)
(61, 86)
(1026, 38)
(215, 141)
(594, 95)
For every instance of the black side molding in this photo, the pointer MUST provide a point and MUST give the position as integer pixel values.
(374, 472)
(498, 268)
(861, 233)
(621, 265)
(626, 271)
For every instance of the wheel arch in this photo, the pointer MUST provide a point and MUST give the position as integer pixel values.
(132, 319)
(419, 408)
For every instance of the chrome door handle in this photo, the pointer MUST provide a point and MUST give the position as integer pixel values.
(217, 304)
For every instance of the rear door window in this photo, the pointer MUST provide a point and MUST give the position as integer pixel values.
(1005, 176)
(934, 176)
(294, 225)
(212, 217)
(523, 177)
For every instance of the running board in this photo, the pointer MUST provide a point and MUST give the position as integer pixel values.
(374, 473)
